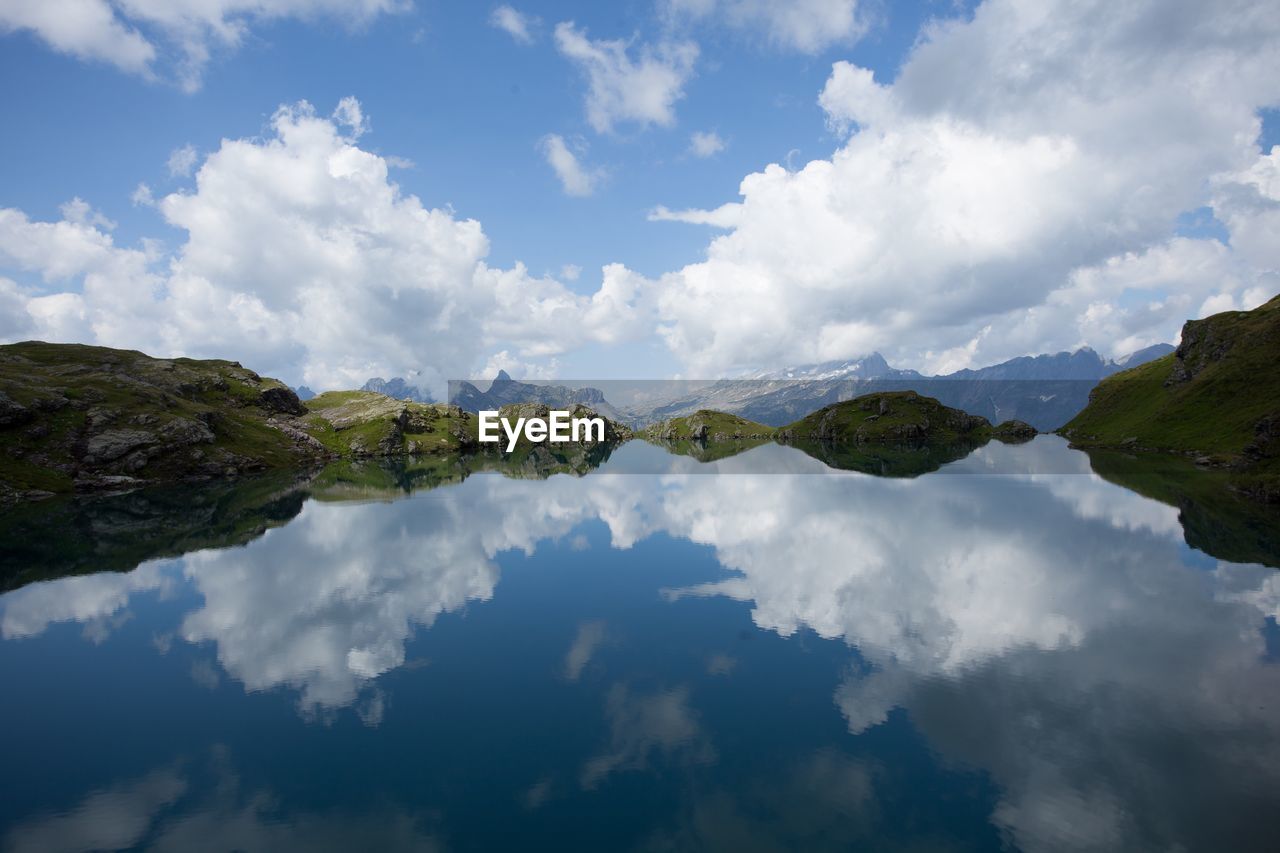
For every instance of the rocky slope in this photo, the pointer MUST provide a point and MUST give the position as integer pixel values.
(80, 417)
(1215, 399)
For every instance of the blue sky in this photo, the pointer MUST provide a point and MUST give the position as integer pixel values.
(460, 98)
(471, 108)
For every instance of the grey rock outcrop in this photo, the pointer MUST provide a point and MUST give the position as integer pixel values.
(13, 413)
(282, 400)
(112, 444)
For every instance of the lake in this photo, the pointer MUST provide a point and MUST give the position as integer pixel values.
(759, 652)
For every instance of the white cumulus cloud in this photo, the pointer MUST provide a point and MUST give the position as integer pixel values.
(705, 143)
(622, 89)
(181, 36)
(182, 161)
(727, 215)
(805, 26)
(576, 178)
(1016, 189)
(302, 259)
(514, 23)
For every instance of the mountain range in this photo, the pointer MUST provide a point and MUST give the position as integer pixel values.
(398, 388)
(505, 391)
(1045, 391)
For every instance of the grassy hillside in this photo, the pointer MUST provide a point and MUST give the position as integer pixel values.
(1216, 398)
(366, 423)
(890, 416)
(80, 416)
(707, 425)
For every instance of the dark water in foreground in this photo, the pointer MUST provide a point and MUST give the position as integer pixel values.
(748, 661)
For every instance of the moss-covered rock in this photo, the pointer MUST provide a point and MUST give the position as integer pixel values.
(1014, 432)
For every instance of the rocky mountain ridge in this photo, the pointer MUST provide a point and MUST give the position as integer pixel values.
(504, 391)
(397, 387)
(1045, 390)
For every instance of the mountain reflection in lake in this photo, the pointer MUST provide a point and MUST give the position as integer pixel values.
(804, 659)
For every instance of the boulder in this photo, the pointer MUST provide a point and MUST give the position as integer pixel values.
(183, 431)
(112, 444)
(282, 400)
(1266, 438)
(1015, 432)
(13, 413)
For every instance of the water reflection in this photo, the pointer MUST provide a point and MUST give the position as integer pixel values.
(885, 460)
(1049, 631)
(644, 724)
(1217, 519)
(68, 536)
(203, 805)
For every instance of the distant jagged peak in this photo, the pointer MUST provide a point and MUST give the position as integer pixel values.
(507, 391)
(397, 387)
(1082, 363)
(870, 366)
(1144, 355)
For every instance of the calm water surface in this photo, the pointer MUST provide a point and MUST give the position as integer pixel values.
(777, 655)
